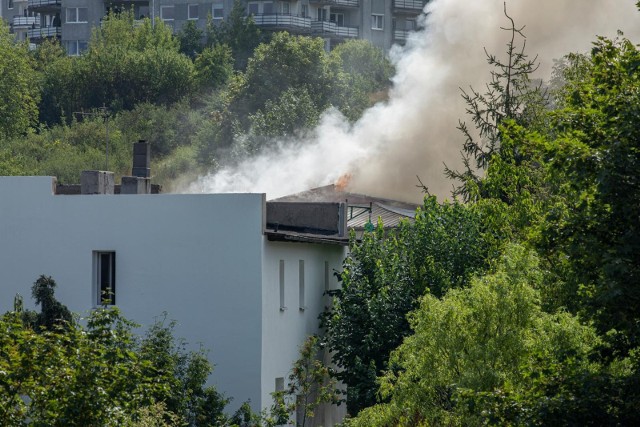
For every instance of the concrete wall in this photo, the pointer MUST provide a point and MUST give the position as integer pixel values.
(284, 330)
(196, 257)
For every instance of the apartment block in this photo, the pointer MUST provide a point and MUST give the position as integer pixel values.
(382, 22)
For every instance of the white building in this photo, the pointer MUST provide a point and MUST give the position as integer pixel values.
(248, 291)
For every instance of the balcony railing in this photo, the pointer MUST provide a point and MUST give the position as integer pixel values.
(283, 21)
(409, 5)
(327, 27)
(338, 3)
(44, 32)
(401, 34)
(44, 3)
(25, 21)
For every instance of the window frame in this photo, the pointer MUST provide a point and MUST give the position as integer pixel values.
(99, 284)
(215, 7)
(377, 21)
(192, 18)
(172, 8)
(76, 18)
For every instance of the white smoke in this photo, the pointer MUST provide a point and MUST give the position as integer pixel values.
(414, 132)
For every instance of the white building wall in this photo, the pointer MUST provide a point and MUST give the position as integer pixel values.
(283, 331)
(196, 257)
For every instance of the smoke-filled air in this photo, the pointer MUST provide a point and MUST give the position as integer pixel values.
(414, 132)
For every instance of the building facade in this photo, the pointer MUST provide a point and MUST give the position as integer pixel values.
(382, 22)
(248, 291)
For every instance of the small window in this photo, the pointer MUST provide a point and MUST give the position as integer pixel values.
(218, 11)
(286, 8)
(338, 18)
(305, 10)
(77, 15)
(301, 284)
(267, 8)
(282, 306)
(167, 13)
(193, 11)
(411, 25)
(280, 384)
(10, 4)
(322, 14)
(76, 47)
(377, 22)
(326, 276)
(252, 8)
(105, 277)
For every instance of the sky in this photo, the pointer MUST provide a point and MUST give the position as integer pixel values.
(413, 133)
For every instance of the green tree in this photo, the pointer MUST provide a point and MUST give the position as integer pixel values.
(510, 95)
(310, 386)
(385, 275)
(238, 31)
(214, 66)
(590, 231)
(487, 355)
(191, 39)
(366, 75)
(19, 92)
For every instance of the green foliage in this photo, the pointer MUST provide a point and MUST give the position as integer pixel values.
(385, 275)
(510, 95)
(19, 93)
(238, 31)
(486, 355)
(99, 374)
(214, 66)
(284, 63)
(591, 229)
(366, 73)
(310, 386)
(191, 39)
(276, 118)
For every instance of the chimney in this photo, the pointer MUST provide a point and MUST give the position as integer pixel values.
(96, 182)
(141, 159)
(139, 183)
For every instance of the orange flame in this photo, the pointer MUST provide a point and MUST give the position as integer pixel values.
(343, 182)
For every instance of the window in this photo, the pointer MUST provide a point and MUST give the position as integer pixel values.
(286, 8)
(411, 24)
(252, 8)
(10, 4)
(167, 13)
(218, 11)
(301, 284)
(326, 276)
(338, 18)
(76, 15)
(377, 22)
(282, 306)
(193, 11)
(104, 267)
(280, 384)
(305, 10)
(76, 47)
(322, 14)
(267, 7)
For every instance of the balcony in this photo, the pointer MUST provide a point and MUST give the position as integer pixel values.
(401, 35)
(337, 3)
(409, 6)
(43, 33)
(274, 21)
(332, 29)
(44, 5)
(22, 22)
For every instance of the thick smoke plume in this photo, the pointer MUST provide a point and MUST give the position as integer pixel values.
(414, 132)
